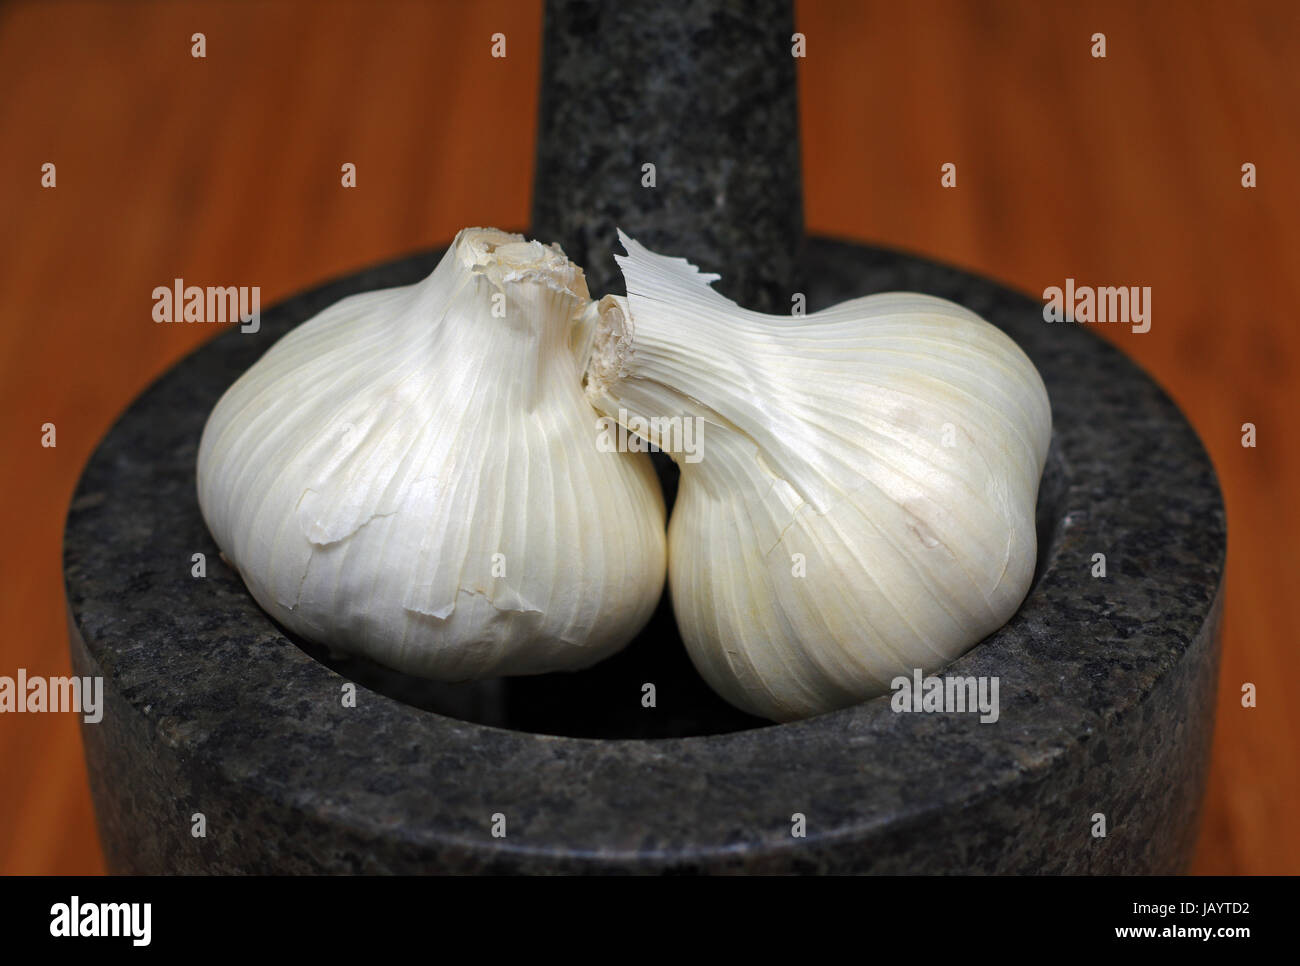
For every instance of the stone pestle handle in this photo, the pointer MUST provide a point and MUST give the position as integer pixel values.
(677, 121)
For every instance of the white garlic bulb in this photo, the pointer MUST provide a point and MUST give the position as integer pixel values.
(862, 500)
(413, 475)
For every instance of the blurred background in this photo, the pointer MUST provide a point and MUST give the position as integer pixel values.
(1124, 170)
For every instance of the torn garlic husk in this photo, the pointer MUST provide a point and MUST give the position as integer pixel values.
(860, 498)
(413, 475)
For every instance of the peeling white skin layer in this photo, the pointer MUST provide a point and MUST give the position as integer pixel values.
(822, 451)
(365, 473)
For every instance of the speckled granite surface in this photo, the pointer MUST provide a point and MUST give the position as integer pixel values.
(1107, 685)
(704, 91)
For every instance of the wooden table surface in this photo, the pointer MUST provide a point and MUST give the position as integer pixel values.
(226, 170)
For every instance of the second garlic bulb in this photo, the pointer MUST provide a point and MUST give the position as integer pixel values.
(860, 502)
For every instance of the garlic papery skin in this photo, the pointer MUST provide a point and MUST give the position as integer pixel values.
(862, 502)
(413, 475)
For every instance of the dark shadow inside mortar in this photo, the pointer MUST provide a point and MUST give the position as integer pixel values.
(605, 701)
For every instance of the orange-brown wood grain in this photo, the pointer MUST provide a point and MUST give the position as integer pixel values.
(226, 170)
